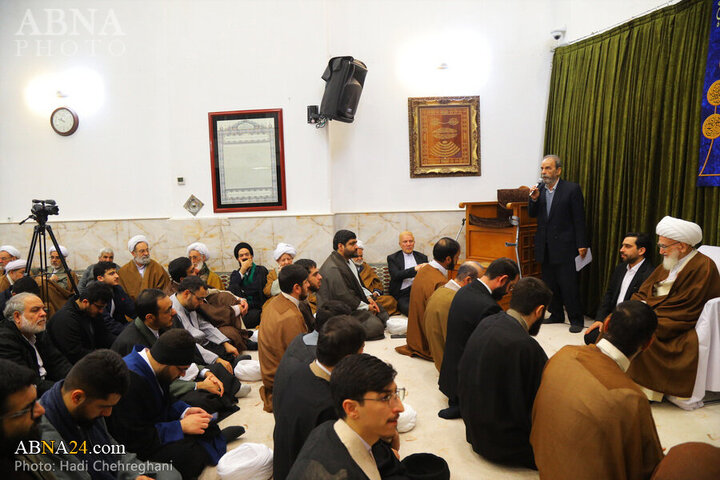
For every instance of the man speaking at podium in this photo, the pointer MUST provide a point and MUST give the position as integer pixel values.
(559, 208)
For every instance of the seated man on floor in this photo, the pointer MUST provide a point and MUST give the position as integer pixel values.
(78, 328)
(438, 307)
(192, 292)
(357, 446)
(342, 282)
(121, 308)
(403, 265)
(20, 413)
(106, 254)
(282, 320)
(471, 305)
(625, 280)
(142, 272)
(445, 255)
(150, 423)
(56, 271)
(302, 401)
(212, 387)
(74, 415)
(8, 253)
(315, 279)
(199, 254)
(283, 254)
(248, 282)
(499, 375)
(370, 282)
(677, 291)
(590, 420)
(24, 341)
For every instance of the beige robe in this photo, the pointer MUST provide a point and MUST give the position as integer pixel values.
(590, 421)
(372, 282)
(281, 321)
(4, 283)
(669, 366)
(155, 277)
(436, 316)
(271, 277)
(427, 280)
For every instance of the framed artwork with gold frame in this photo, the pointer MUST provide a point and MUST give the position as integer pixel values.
(444, 136)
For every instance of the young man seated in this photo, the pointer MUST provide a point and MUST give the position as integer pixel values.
(363, 443)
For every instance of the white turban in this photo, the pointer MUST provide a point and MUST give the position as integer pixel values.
(201, 248)
(397, 325)
(407, 419)
(249, 461)
(15, 265)
(360, 244)
(679, 230)
(248, 371)
(283, 248)
(63, 250)
(135, 240)
(11, 250)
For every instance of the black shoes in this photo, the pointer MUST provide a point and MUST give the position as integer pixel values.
(450, 412)
(576, 328)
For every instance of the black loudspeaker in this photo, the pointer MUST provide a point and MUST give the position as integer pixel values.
(344, 77)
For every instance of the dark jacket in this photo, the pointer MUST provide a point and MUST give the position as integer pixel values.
(15, 347)
(250, 287)
(609, 300)
(75, 333)
(563, 231)
(339, 283)
(124, 306)
(398, 272)
(470, 305)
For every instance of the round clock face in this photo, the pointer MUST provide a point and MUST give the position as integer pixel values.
(64, 121)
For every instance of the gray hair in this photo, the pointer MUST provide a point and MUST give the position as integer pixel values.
(16, 304)
(558, 163)
(467, 269)
(106, 250)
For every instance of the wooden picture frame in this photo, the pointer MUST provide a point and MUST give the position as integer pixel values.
(444, 136)
(248, 160)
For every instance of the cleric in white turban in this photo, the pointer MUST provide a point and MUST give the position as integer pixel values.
(284, 254)
(677, 291)
(57, 271)
(13, 271)
(8, 253)
(198, 254)
(142, 271)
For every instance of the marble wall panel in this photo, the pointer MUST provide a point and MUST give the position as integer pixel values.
(311, 235)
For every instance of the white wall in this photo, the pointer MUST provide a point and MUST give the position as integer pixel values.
(162, 65)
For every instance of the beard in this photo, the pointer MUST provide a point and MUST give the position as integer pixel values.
(499, 293)
(8, 445)
(198, 266)
(26, 326)
(670, 260)
(357, 261)
(142, 260)
(314, 288)
(164, 377)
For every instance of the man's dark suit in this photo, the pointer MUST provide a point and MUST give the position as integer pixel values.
(609, 300)
(470, 305)
(398, 273)
(557, 240)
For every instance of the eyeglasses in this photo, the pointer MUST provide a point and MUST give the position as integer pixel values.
(388, 397)
(30, 408)
(665, 247)
(202, 299)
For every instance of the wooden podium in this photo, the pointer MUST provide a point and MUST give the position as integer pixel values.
(487, 243)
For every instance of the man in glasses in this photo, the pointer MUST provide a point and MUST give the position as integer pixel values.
(142, 271)
(677, 291)
(19, 416)
(356, 446)
(78, 328)
(192, 292)
(24, 341)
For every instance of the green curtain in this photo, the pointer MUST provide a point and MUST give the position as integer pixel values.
(624, 116)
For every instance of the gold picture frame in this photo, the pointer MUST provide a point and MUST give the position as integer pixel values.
(444, 136)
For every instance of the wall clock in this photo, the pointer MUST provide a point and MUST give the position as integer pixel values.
(64, 121)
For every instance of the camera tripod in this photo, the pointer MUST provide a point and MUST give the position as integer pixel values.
(40, 212)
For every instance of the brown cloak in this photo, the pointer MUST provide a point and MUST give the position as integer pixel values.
(155, 277)
(57, 294)
(370, 280)
(281, 321)
(427, 280)
(436, 317)
(669, 366)
(590, 421)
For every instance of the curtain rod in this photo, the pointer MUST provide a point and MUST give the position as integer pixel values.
(670, 2)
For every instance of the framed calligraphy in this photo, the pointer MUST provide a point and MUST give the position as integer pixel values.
(444, 136)
(247, 160)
